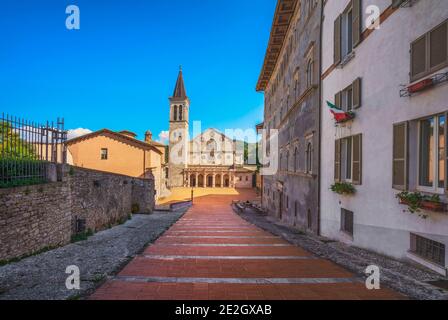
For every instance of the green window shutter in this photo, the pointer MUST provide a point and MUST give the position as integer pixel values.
(357, 159)
(337, 161)
(357, 15)
(356, 93)
(337, 99)
(400, 152)
(337, 40)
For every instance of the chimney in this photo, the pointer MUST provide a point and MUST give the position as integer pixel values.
(148, 136)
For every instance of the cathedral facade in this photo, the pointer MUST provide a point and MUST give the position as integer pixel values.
(211, 159)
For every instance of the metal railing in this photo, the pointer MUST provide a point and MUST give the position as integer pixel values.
(27, 147)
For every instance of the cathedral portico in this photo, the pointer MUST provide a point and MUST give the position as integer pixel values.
(209, 177)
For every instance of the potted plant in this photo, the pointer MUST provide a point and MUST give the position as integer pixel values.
(433, 203)
(411, 199)
(343, 188)
(416, 201)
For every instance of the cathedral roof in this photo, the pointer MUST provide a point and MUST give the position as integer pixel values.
(179, 90)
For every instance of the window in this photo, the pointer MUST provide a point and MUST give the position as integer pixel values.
(347, 221)
(104, 154)
(428, 249)
(309, 158)
(287, 161)
(432, 154)
(296, 160)
(180, 113)
(400, 151)
(175, 113)
(309, 73)
(429, 53)
(348, 156)
(347, 31)
(349, 98)
(346, 159)
(296, 85)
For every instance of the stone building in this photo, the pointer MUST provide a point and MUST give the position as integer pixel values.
(120, 153)
(393, 83)
(211, 159)
(291, 84)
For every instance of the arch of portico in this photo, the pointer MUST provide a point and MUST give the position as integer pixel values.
(209, 177)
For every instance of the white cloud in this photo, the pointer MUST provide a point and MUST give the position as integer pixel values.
(164, 137)
(75, 133)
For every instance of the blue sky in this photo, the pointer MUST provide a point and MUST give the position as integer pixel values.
(119, 69)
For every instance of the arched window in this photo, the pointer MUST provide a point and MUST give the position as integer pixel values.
(287, 161)
(296, 160)
(309, 158)
(309, 73)
(180, 113)
(175, 113)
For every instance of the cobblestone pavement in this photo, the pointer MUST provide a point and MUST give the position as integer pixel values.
(43, 276)
(212, 253)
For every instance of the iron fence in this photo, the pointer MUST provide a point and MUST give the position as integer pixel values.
(26, 147)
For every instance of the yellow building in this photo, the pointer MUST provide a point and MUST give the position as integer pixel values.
(121, 153)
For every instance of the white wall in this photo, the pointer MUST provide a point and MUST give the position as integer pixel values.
(382, 61)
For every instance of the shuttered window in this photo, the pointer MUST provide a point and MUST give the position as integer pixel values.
(356, 93)
(347, 31)
(337, 161)
(337, 40)
(348, 159)
(338, 100)
(429, 53)
(357, 159)
(356, 22)
(438, 46)
(400, 140)
(349, 98)
(418, 57)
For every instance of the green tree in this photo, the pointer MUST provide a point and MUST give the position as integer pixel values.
(12, 146)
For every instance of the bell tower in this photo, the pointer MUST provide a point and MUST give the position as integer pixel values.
(178, 133)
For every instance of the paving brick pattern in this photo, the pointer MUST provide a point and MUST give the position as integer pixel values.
(211, 253)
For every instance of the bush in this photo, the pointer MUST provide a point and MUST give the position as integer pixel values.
(15, 168)
(82, 236)
(135, 208)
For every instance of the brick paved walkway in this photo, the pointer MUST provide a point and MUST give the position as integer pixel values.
(211, 253)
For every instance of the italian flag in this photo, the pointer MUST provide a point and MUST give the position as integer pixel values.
(338, 113)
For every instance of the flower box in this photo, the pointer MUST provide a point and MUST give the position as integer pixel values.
(420, 86)
(433, 206)
(417, 201)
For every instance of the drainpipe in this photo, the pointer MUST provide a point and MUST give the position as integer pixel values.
(320, 118)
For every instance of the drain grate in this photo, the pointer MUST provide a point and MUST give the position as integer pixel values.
(443, 284)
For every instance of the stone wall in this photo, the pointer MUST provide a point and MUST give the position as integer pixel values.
(35, 217)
